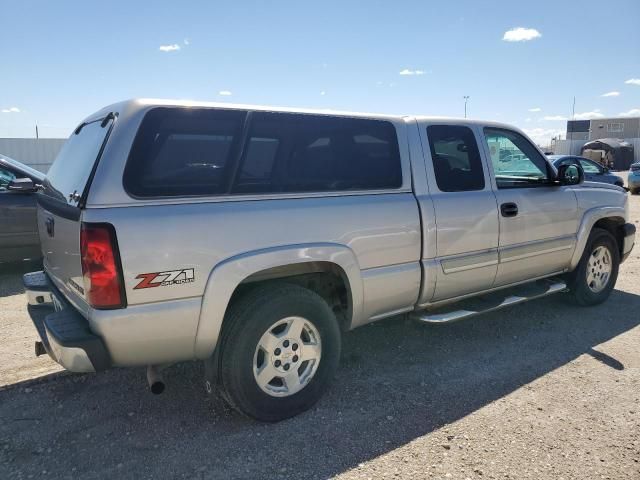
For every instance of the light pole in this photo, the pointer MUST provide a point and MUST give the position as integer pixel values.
(466, 99)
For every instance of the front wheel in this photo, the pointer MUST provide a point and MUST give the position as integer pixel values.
(593, 280)
(280, 350)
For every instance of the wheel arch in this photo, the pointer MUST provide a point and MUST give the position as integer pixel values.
(611, 219)
(312, 265)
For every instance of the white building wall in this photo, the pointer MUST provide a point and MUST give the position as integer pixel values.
(37, 153)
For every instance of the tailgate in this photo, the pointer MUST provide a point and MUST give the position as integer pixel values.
(60, 206)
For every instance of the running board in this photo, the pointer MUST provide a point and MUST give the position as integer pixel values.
(490, 301)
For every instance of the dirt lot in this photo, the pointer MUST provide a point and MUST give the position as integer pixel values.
(544, 390)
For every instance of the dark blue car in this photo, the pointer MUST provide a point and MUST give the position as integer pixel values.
(18, 228)
(593, 171)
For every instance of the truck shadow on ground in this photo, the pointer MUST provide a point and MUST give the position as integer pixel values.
(11, 276)
(399, 380)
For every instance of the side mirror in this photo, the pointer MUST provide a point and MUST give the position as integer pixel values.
(570, 174)
(605, 169)
(22, 185)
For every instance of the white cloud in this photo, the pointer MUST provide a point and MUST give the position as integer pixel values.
(521, 34)
(633, 81)
(528, 119)
(11, 110)
(588, 115)
(634, 112)
(186, 41)
(543, 136)
(578, 116)
(407, 71)
(610, 94)
(225, 93)
(535, 109)
(169, 48)
(323, 92)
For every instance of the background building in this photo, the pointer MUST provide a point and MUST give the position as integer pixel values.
(38, 153)
(580, 132)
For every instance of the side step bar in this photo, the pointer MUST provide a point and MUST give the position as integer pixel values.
(491, 301)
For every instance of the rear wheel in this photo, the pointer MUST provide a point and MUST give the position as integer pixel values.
(280, 350)
(593, 280)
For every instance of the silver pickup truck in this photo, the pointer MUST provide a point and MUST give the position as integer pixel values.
(252, 237)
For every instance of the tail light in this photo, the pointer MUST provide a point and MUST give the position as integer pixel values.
(101, 268)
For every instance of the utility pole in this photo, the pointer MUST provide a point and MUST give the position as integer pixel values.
(37, 131)
(573, 116)
(466, 99)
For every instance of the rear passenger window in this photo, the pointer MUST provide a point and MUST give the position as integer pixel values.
(456, 159)
(182, 151)
(310, 153)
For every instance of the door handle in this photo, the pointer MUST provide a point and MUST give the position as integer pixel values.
(49, 224)
(509, 209)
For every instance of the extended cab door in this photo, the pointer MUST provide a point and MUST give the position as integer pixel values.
(538, 220)
(464, 258)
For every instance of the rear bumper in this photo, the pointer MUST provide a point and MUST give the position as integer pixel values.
(38, 289)
(629, 236)
(64, 332)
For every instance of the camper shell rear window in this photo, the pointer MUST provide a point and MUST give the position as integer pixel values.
(70, 175)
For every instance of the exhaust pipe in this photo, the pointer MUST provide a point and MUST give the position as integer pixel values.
(155, 380)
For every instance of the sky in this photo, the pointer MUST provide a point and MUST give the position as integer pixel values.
(519, 62)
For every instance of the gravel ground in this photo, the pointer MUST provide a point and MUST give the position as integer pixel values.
(544, 390)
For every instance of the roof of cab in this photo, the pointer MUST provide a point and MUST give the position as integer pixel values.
(136, 104)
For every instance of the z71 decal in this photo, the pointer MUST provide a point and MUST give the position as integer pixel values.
(164, 279)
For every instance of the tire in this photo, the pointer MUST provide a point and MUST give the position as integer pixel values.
(588, 289)
(252, 346)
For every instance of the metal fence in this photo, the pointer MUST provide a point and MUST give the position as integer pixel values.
(37, 153)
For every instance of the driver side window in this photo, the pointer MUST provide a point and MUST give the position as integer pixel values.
(5, 177)
(516, 162)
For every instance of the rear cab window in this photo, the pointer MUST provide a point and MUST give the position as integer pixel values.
(68, 178)
(201, 152)
(456, 159)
